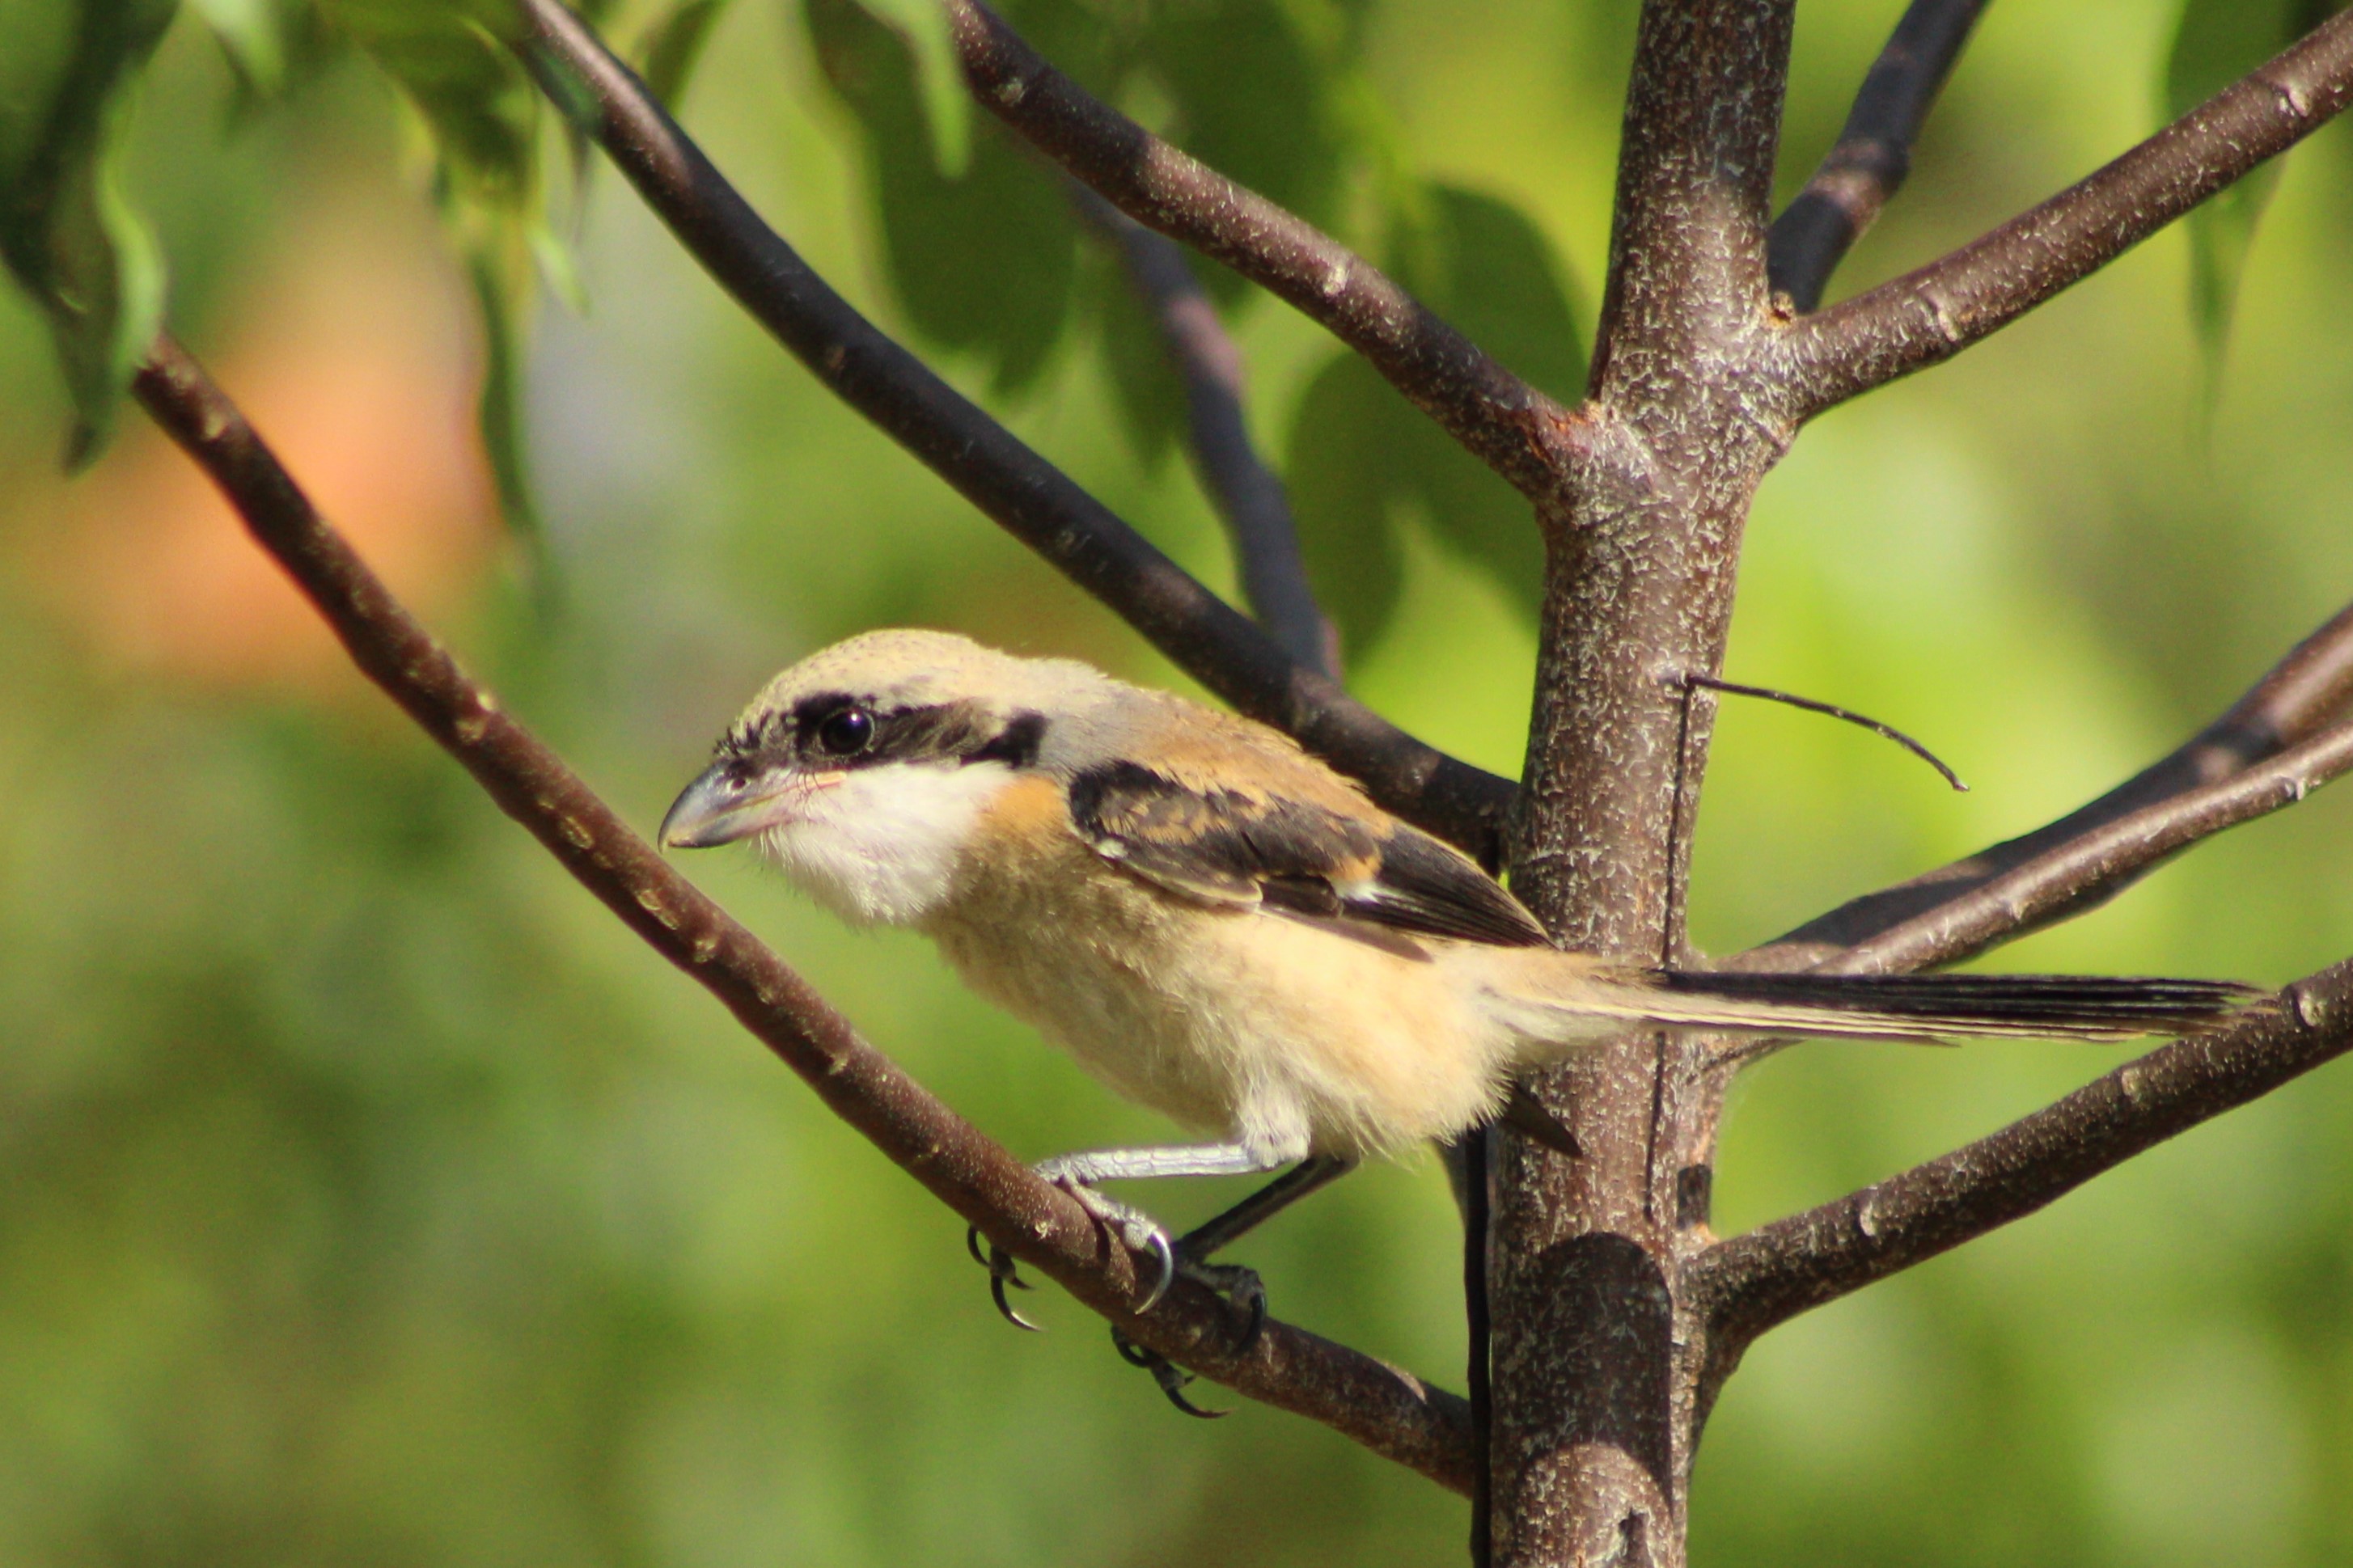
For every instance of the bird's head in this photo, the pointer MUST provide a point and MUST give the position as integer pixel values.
(862, 770)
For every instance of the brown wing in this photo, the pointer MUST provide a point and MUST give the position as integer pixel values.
(1248, 849)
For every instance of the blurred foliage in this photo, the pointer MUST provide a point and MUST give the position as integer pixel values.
(1361, 455)
(65, 231)
(371, 1197)
(2215, 43)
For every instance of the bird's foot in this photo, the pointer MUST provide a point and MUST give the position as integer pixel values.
(1137, 1229)
(1171, 1377)
(1242, 1289)
(1001, 1273)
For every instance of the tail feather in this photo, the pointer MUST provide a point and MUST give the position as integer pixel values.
(1916, 1007)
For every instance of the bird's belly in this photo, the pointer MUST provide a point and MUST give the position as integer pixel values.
(1278, 1033)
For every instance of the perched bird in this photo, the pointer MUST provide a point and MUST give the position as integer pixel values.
(1224, 929)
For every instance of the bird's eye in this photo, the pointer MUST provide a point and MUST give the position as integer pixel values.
(846, 731)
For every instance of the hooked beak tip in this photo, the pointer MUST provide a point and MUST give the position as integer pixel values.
(717, 808)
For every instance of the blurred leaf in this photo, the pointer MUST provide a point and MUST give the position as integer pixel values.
(271, 47)
(670, 50)
(254, 32)
(64, 230)
(1250, 99)
(499, 409)
(983, 260)
(923, 23)
(1482, 265)
(482, 117)
(1263, 90)
(2215, 43)
(1149, 391)
(1352, 460)
(1362, 458)
(447, 57)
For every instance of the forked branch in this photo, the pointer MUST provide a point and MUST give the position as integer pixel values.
(1515, 430)
(1932, 314)
(1873, 152)
(1388, 1411)
(1752, 1282)
(1015, 487)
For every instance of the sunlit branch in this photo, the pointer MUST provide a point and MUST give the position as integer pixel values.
(1388, 1411)
(1248, 495)
(1873, 152)
(1751, 1283)
(1932, 314)
(1513, 427)
(1021, 491)
(1695, 187)
(2097, 850)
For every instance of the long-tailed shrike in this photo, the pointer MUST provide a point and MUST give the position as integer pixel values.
(1223, 928)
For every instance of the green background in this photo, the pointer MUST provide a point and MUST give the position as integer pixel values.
(367, 1195)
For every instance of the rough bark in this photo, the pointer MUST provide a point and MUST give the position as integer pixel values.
(1593, 1416)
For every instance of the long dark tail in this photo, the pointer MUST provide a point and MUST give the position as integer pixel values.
(2049, 1006)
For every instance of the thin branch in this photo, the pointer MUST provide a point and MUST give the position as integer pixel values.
(1515, 430)
(1932, 314)
(1029, 496)
(1388, 1411)
(1752, 1282)
(1248, 496)
(2055, 872)
(2065, 879)
(1874, 154)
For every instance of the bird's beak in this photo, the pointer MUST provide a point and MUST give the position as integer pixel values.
(722, 807)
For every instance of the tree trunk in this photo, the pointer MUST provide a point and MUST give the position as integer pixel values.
(1595, 1360)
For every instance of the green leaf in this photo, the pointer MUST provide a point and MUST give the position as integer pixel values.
(254, 34)
(453, 66)
(2215, 43)
(1255, 89)
(66, 233)
(498, 408)
(1350, 470)
(983, 259)
(1482, 265)
(1250, 99)
(948, 110)
(670, 50)
(1149, 392)
(1363, 462)
(447, 57)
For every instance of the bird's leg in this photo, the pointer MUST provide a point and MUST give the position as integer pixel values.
(1188, 1255)
(1078, 1175)
(1239, 1285)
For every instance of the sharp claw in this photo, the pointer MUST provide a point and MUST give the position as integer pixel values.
(1256, 1326)
(1165, 1373)
(996, 1293)
(999, 1263)
(1167, 1255)
(1174, 1390)
(1003, 1271)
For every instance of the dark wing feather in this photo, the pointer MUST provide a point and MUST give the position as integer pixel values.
(1247, 849)
(1426, 886)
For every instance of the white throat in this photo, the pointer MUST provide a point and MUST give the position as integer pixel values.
(879, 845)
